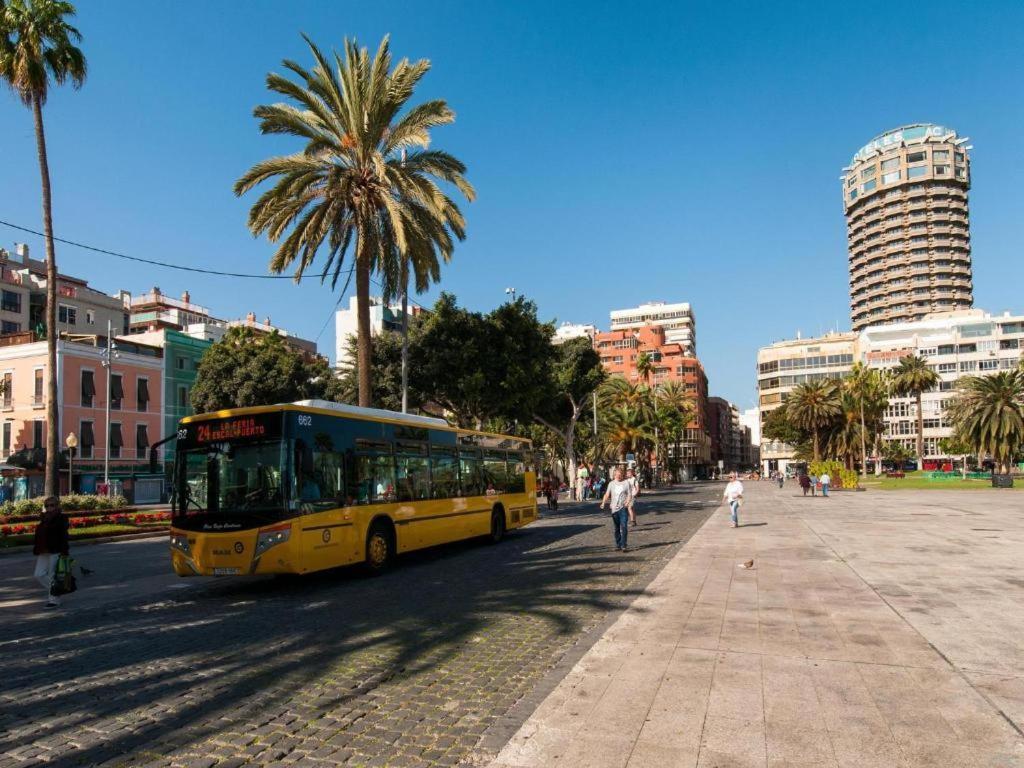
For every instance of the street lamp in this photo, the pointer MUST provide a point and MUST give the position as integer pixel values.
(511, 292)
(71, 442)
(108, 355)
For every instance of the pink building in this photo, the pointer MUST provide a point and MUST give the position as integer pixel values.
(136, 409)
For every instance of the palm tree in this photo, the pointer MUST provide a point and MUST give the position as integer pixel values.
(365, 178)
(988, 414)
(913, 377)
(645, 366)
(36, 46)
(896, 452)
(867, 388)
(673, 397)
(617, 392)
(813, 406)
(623, 430)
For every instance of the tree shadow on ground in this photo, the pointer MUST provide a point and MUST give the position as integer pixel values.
(152, 678)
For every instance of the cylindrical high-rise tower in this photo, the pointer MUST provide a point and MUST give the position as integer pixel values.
(905, 197)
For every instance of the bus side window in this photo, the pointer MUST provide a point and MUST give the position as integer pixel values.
(494, 471)
(413, 477)
(444, 470)
(516, 473)
(375, 479)
(470, 474)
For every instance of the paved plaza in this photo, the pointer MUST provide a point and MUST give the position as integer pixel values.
(452, 649)
(874, 629)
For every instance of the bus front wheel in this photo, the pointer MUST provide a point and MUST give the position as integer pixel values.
(497, 525)
(380, 548)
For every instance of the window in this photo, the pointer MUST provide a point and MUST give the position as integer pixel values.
(888, 165)
(1009, 343)
(8, 326)
(375, 473)
(8, 389)
(6, 444)
(916, 172)
(37, 434)
(444, 471)
(471, 473)
(141, 440)
(940, 154)
(916, 157)
(968, 365)
(142, 395)
(90, 317)
(853, 194)
(947, 367)
(869, 185)
(319, 473)
(116, 440)
(988, 365)
(88, 389)
(494, 472)
(116, 391)
(516, 473)
(86, 439)
(37, 392)
(947, 386)
(413, 471)
(183, 405)
(889, 178)
(941, 170)
(10, 301)
(868, 172)
(179, 363)
(67, 315)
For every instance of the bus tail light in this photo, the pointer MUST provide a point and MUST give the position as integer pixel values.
(179, 541)
(271, 537)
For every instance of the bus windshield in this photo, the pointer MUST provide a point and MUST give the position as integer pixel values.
(241, 482)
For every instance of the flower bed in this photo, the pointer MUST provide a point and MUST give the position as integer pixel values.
(75, 502)
(85, 526)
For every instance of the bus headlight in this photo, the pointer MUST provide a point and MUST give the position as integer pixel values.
(179, 541)
(271, 537)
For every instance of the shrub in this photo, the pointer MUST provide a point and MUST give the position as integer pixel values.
(849, 478)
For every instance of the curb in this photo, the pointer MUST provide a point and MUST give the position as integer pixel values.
(22, 548)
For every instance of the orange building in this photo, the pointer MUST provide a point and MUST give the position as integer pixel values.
(619, 351)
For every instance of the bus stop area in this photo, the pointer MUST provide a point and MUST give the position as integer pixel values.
(872, 629)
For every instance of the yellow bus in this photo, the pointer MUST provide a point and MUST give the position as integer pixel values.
(301, 487)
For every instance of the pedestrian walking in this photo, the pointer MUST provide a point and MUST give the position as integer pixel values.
(826, 481)
(782, 479)
(635, 485)
(620, 494)
(551, 491)
(814, 483)
(50, 542)
(581, 481)
(733, 494)
(805, 482)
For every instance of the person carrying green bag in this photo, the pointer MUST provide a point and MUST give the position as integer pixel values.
(50, 545)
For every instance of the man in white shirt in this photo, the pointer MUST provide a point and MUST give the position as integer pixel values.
(734, 496)
(826, 481)
(635, 485)
(620, 493)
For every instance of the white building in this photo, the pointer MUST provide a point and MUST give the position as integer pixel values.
(567, 331)
(382, 318)
(751, 418)
(677, 320)
(967, 342)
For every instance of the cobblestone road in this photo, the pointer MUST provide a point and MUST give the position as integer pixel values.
(412, 668)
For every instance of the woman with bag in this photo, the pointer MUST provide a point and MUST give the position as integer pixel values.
(50, 544)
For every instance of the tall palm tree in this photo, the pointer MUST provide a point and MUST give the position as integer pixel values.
(645, 366)
(673, 397)
(866, 387)
(814, 406)
(988, 414)
(912, 377)
(617, 392)
(623, 430)
(37, 47)
(365, 179)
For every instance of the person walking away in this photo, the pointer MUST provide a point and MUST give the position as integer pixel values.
(620, 494)
(634, 482)
(50, 542)
(581, 480)
(814, 483)
(826, 481)
(805, 482)
(733, 494)
(782, 479)
(545, 489)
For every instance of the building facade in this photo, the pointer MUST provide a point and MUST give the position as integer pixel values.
(383, 317)
(136, 410)
(955, 344)
(784, 365)
(619, 351)
(677, 320)
(730, 440)
(908, 228)
(567, 331)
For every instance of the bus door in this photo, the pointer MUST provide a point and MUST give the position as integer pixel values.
(323, 518)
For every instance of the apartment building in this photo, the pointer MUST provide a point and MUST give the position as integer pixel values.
(567, 331)
(959, 343)
(784, 365)
(383, 317)
(677, 320)
(730, 439)
(619, 350)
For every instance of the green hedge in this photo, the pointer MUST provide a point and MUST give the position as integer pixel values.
(76, 502)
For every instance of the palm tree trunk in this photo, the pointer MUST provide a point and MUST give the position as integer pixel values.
(364, 352)
(863, 443)
(920, 435)
(53, 428)
(817, 452)
(405, 335)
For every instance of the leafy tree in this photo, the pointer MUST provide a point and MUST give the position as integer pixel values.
(37, 46)
(814, 406)
(988, 415)
(779, 426)
(576, 374)
(957, 446)
(913, 377)
(247, 368)
(356, 183)
(387, 373)
(896, 452)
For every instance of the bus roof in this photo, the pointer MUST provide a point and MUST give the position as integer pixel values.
(344, 409)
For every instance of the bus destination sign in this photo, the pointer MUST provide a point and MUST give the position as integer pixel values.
(239, 428)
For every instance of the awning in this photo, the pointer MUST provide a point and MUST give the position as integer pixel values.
(87, 440)
(116, 440)
(143, 394)
(116, 389)
(141, 436)
(88, 385)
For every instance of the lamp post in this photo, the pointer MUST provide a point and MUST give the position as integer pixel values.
(71, 442)
(511, 292)
(108, 362)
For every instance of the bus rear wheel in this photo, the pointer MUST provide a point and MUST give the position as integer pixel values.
(497, 525)
(380, 549)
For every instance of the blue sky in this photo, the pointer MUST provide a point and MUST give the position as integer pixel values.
(621, 152)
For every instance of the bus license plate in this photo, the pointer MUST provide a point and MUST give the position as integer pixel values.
(225, 571)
